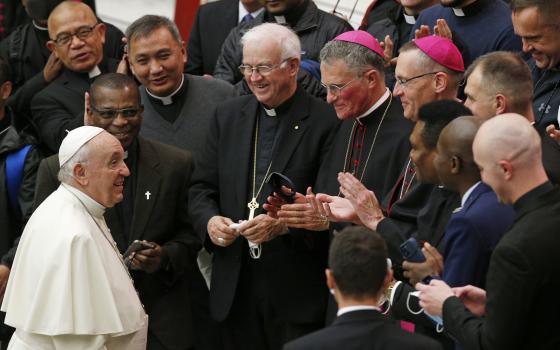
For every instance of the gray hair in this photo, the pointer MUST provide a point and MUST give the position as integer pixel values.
(146, 25)
(357, 57)
(285, 38)
(66, 171)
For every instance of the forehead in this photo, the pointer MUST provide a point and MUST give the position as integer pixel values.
(473, 81)
(108, 97)
(157, 40)
(70, 20)
(335, 72)
(415, 139)
(261, 52)
(407, 64)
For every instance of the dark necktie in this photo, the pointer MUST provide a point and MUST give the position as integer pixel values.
(247, 18)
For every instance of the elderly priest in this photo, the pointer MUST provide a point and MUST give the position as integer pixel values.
(69, 287)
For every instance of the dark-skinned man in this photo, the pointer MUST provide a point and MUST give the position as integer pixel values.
(153, 211)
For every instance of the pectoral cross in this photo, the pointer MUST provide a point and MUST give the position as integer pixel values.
(252, 205)
(148, 194)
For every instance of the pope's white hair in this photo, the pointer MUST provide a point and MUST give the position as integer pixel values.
(285, 38)
(66, 172)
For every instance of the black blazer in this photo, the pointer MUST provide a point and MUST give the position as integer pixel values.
(295, 262)
(522, 285)
(363, 330)
(210, 29)
(164, 171)
(60, 106)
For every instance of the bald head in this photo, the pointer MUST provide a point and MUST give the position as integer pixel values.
(458, 136)
(507, 150)
(69, 9)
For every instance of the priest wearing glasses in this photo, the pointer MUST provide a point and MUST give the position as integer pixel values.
(274, 291)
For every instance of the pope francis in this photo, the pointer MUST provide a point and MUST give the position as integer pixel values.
(69, 288)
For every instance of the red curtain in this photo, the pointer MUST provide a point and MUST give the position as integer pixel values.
(185, 11)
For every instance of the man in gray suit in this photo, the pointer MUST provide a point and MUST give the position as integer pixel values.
(177, 106)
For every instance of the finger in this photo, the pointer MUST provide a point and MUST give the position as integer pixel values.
(296, 207)
(325, 198)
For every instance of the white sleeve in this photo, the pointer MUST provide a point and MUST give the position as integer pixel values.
(82, 342)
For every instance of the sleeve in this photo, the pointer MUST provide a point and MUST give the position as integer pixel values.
(461, 252)
(507, 310)
(83, 342)
(230, 58)
(508, 41)
(27, 189)
(52, 119)
(394, 237)
(194, 61)
(183, 249)
(19, 101)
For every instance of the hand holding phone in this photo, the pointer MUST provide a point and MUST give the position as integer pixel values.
(136, 246)
(411, 251)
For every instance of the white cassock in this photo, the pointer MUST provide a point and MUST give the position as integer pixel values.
(68, 288)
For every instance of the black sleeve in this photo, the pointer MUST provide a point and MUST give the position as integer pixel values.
(230, 59)
(47, 183)
(194, 49)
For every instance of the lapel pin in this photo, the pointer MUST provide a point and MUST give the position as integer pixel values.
(296, 127)
(148, 194)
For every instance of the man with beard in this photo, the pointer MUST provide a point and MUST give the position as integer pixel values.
(154, 211)
(314, 28)
(483, 25)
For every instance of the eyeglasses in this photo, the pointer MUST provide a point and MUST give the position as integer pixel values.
(262, 69)
(127, 113)
(81, 33)
(403, 82)
(336, 89)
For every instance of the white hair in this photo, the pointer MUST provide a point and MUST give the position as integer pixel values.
(285, 38)
(66, 171)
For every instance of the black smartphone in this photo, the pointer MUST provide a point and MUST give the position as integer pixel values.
(282, 186)
(411, 251)
(136, 246)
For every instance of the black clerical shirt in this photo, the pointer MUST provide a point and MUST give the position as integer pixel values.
(125, 209)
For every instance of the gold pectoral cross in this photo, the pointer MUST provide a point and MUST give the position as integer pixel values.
(252, 205)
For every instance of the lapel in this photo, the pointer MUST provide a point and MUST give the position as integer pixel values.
(292, 129)
(446, 202)
(148, 180)
(241, 156)
(475, 194)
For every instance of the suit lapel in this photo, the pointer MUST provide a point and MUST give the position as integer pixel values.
(242, 157)
(146, 192)
(292, 129)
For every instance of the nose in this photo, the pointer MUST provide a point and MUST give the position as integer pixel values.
(330, 96)
(76, 42)
(155, 67)
(255, 75)
(120, 120)
(397, 90)
(125, 171)
(527, 46)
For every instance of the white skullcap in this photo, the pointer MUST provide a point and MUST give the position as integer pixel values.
(75, 140)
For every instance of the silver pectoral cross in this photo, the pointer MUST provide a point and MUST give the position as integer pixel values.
(252, 205)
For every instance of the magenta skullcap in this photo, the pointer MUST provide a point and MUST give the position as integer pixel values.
(362, 38)
(441, 50)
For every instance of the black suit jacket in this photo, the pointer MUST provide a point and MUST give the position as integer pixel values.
(363, 330)
(211, 27)
(522, 285)
(165, 172)
(60, 105)
(294, 262)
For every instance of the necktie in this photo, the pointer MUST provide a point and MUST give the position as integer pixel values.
(247, 18)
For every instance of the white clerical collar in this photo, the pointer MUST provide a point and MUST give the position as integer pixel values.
(242, 12)
(376, 105)
(94, 72)
(39, 27)
(280, 19)
(409, 19)
(468, 193)
(458, 12)
(348, 309)
(270, 112)
(167, 100)
(94, 208)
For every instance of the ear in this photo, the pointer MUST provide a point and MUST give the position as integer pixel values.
(388, 279)
(5, 90)
(330, 279)
(372, 77)
(101, 29)
(441, 81)
(184, 52)
(52, 47)
(79, 174)
(293, 65)
(500, 103)
(456, 165)
(507, 169)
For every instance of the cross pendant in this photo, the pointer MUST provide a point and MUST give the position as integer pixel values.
(252, 205)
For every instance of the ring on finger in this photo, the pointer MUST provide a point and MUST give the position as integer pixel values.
(221, 240)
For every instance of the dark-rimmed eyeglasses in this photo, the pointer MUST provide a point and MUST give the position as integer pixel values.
(403, 82)
(113, 113)
(262, 69)
(336, 89)
(81, 33)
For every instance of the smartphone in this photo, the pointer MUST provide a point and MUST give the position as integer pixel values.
(135, 246)
(411, 251)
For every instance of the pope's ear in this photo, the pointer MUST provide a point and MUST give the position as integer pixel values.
(79, 174)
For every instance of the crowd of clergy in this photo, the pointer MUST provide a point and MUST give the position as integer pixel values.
(282, 180)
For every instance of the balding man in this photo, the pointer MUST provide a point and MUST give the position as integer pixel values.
(515, 310)
(69, 287)
(500, 82)
(76, 38)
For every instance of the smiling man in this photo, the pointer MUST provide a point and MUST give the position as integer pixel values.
(69, 288)
(275, 291)
(537, 23)
(76, 39)
(159, 179)
(177, 106)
